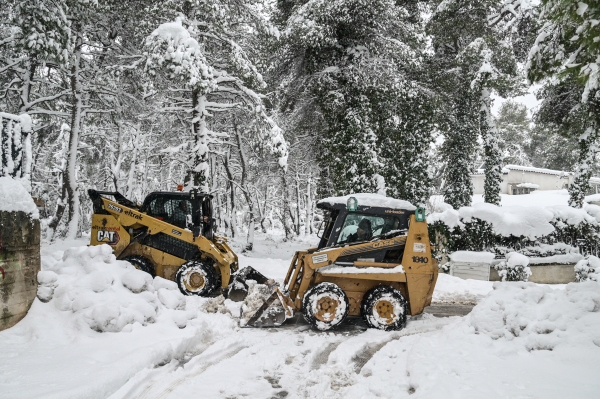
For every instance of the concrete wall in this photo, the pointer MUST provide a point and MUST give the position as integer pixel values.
(545, 274)
(19, 263)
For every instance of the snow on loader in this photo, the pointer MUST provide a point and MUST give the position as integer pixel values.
(170, 235)
(374, 260)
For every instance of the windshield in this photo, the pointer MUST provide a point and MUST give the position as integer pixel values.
(361, 227)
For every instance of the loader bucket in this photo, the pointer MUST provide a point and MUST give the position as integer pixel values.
(238, 288)
(276, 309)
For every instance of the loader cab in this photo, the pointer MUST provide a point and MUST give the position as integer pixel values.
(186, 210)
(348, 226)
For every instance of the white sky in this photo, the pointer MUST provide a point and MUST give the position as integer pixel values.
(528, 99)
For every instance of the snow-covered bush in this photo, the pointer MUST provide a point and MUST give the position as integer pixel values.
(514, 268)
(529, 230)
(588, 269)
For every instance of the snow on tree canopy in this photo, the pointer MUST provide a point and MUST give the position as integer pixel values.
(374, 200)
(14, 198)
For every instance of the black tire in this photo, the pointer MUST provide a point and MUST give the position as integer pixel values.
(196, 278)
(317, 302)
(385, 308)
(141, 263)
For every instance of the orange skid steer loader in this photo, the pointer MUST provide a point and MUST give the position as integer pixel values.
(374, 260)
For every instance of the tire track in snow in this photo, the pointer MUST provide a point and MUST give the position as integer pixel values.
(233, 350)
(189, 356)
(363, 356)
(322, 357)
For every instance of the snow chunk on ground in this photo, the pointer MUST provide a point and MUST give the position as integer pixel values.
(540, 318)
(366, 199)
(137, 281)
(216, 305)
(473, 257)
(160, 282)
(14, 198)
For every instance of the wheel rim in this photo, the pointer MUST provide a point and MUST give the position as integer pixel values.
(385, 311)
(326, 308)
(194, 281)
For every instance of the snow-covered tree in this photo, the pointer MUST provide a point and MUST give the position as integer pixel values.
(214, 76)
(566, 51)
(340, 65)
(474, 56)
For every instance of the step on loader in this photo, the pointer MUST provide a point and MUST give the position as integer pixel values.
(170, 235)
(373, 260)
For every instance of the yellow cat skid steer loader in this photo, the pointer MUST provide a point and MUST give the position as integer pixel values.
(170, 235)
(374, 260)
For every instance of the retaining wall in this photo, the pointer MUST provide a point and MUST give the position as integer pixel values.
(19, 264)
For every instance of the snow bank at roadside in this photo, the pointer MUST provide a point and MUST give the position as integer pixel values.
(538, 317)
(109, 295)
(14, 198)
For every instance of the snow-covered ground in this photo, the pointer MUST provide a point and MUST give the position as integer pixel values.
(109, 331)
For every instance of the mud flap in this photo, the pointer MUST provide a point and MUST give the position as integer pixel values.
(276, 309)
(238, 288)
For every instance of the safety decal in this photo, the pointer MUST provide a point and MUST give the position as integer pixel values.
(319, 259)
(419, 247)
(176, 232)
(115, 208)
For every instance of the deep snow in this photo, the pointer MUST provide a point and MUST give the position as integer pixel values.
(521, 340)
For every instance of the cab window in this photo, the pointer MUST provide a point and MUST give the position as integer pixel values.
(360, 227)
(173, 211)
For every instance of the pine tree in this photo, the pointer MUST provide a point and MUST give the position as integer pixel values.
(566, 50)
(345, 66)
(473, 58)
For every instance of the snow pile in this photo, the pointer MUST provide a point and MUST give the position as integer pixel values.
(257, 296)
(588, 269)
(540, 318)
(593, 210)
(514, 268)
(374, 200)
(472, 257)
(528, 185)
(593, 198)
(106, 294)
(14, 198)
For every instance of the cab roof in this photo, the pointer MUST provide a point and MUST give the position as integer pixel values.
(366, 200)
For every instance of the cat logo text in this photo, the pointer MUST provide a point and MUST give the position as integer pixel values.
(108, 237)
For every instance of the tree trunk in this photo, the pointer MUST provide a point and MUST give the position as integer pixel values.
(246, 189)
(588, 147)
(492, 163)
(308, 216)
(200, 164)
(286, 208)
(70, 176)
